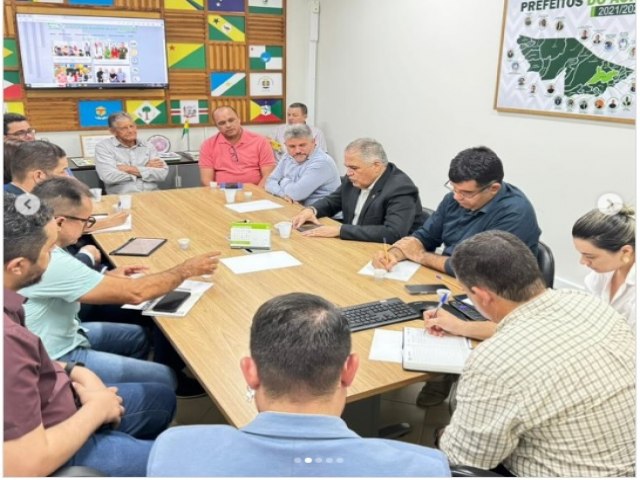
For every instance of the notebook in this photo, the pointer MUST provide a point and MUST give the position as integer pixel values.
(250, 235)
(427, 353)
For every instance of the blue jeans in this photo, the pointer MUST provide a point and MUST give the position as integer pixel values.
(108, 358)
(149, 408)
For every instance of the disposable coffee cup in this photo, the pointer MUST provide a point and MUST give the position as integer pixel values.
(124, 202)
(379, 274)
(213, 185)
(230, 195)
(248, 195)
(184, 243)
(96, 193)
(284, 229)
(441, 292)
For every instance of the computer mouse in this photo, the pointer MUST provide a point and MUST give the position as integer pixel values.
(422, 305)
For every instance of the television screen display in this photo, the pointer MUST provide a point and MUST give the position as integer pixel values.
(68, 51)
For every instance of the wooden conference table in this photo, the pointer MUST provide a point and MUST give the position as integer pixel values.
(215, 334)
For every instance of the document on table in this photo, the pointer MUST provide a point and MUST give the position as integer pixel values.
(386, 346)
(125, 227)
(402, 271)
(194, 287)
(255, 206)
(428, 353)
(260, 261)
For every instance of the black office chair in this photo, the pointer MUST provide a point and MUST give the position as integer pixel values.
(466, 471)
(77, 471)
(546, 263)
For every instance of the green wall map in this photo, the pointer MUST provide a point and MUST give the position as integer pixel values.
(585, 73)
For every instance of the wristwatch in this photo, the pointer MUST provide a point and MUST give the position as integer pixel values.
(71, 365)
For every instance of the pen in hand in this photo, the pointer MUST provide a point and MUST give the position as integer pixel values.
(443, 299)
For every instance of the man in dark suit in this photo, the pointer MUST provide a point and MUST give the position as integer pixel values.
(379, 201)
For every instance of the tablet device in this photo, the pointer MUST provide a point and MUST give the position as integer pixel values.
(139, 247)
(171, 302)
(424, 289)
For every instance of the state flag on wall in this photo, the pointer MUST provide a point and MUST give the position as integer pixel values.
(265, 84)
(95, 113)
(184, 4)
(266, 111)
(267, 7)
(228, 84)
(182, 56)
(97, 3)
(12, 88)
(226, 28)
(14, 107)
(147, 112)
(10, 54)
(226, 5)
(195, 111)
(265, 57)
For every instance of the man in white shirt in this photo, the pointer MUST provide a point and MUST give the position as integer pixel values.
(297, 115)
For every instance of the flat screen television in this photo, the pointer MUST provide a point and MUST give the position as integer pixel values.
(72, 51)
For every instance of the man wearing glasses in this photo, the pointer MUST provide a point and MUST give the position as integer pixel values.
(478, 201)
(234, 154)
(16, 127)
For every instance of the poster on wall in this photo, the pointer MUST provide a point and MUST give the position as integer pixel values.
(574, 58)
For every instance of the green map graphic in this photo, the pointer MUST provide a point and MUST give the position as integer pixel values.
(585, 73)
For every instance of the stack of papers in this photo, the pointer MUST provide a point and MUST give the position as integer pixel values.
(125, 227)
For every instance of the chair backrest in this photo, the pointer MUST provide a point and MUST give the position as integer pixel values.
(546, 263)
(466, 471)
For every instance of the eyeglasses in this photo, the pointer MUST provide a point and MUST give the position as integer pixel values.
(22, 133)
(234, 154)
(88, 222)
(468, 195)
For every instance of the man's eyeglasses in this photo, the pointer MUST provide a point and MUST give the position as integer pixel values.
(234, 154)
(88, 222)
(468, 195)
(22, 133)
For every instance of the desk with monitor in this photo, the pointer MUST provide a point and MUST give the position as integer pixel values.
(215, 334)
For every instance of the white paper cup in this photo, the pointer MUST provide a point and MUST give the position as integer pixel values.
(96, 193)
(443, 291)
(248, 195)
(379, 274)
(125, 202)
(230, 195)
(184, 243)
(213, 185)
(284, 229)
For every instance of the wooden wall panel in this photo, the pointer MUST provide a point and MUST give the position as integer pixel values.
(267, 29)
(138, 4)
(188, 85)
(188, 27)
(53, 114)
(227, 57)
(240, 105)
(9, 21)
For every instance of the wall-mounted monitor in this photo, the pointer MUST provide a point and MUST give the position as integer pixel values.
(69, 51)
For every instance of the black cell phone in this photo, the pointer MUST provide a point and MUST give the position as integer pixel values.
(424, 289)
(307, 226)
(172, 301)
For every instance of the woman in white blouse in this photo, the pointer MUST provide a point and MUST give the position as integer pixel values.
(606, 243)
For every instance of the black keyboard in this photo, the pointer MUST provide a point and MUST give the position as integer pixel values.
(376, 314)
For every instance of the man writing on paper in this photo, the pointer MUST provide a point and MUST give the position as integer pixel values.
(235, 154)
(300, 368)
(378, 200)
(306, 173)
(125, 163)
(552, 392)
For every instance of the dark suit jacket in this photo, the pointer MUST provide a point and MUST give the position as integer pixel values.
(392, 210)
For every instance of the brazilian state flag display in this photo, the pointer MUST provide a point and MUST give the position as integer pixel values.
(10, 55)
(265, 57)
(185, 56)
(226, 28)
(184, 4)
(266, 111)
(12, 88)
(14, 107)
(193, 111)
(228, 84)
(266, 7)
(147, 112)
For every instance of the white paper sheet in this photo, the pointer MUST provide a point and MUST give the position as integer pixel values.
(386, 346)
(125, 227)
(402, 271)
(260, 261)
(255, 206)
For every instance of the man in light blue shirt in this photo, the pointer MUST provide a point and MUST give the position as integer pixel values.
(299, 371)
(306, 173)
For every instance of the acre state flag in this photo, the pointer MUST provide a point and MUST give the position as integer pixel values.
(183, 56)
(184, 4)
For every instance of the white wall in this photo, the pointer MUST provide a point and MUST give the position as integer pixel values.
(420, 76)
